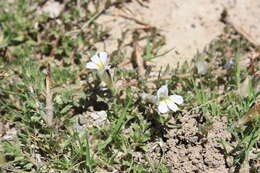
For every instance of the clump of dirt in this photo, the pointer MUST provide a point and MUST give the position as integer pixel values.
(195, 146)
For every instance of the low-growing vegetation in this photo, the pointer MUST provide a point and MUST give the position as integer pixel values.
(63, 111)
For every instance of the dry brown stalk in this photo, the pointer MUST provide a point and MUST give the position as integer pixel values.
(139, 60)
(49, 104)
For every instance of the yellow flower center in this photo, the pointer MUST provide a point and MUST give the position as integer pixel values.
(165, 99)
(101, 65)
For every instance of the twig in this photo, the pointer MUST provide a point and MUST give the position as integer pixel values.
(55, 46)
(135, 20)
(142, 4)
(49, 105)
(85, 26)
(139, 60)
(242, 31)
(94, 17)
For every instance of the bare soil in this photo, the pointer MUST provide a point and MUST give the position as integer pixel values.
(188, 26)
(196, 147)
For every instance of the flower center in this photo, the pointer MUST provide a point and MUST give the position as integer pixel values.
(101, 65)
(165, 99)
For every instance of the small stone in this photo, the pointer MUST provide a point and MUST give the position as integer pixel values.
(53, 8)
(202, 67)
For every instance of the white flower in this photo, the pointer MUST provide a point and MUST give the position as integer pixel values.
(167, 103)
(99, 62)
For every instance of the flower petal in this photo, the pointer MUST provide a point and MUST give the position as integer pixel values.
(92, 65)
(95, 59)
(177, 99)
(163, 108)
(162, 92)
(172, 105)
(103, 57)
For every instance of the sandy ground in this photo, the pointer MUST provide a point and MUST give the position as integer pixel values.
(189, 26)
